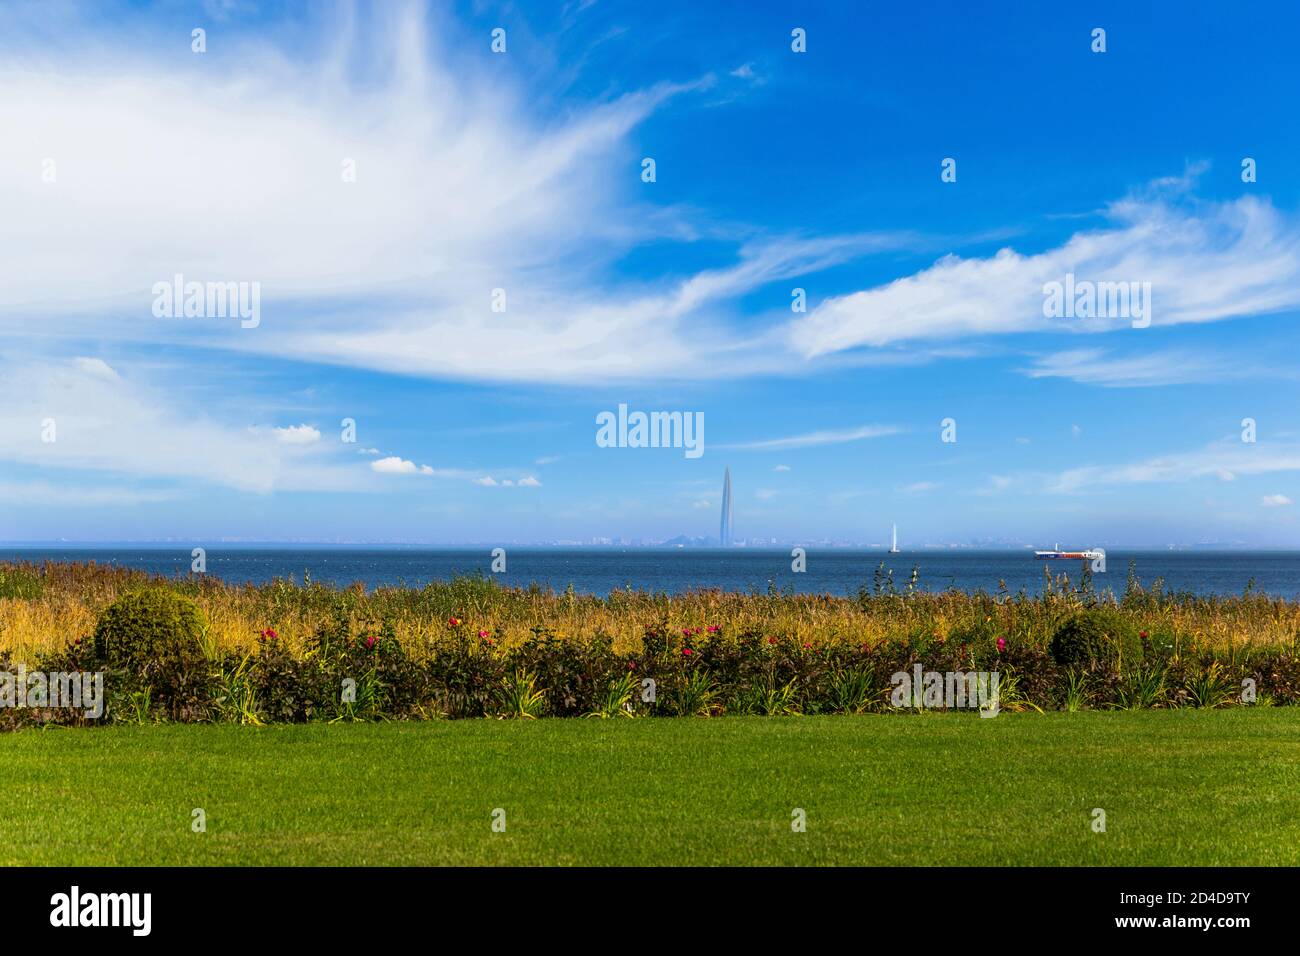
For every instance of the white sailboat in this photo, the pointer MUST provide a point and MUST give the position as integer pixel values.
(893, 548)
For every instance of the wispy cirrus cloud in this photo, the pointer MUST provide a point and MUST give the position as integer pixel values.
(812, 439)
(1166, 367)
(379, 207)
(83, 415)
(1205, 261)
(1223, 461)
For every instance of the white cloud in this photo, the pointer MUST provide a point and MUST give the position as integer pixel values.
(449, 173)
(919, 487)
(781, 468)
(297, 435)
(104, 421)
(97, 368)
(1222, 460)
(562, 327)
(394, 465)
(1205, 262)
(43, 493)
(487, 481)
(819, 438)
(461, 186)
(1098, 367)
(1275, 501)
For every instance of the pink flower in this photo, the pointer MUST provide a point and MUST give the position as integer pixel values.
(270, 634)
(370, 641)
(1002, 644)
(687, 652)
(687, 632)
(484, 633)
(713, 629)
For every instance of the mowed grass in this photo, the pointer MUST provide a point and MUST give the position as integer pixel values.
(1178, 788)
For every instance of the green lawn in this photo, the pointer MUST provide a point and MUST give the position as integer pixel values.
(1178, 787)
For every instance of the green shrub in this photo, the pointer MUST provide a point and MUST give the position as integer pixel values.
(154, 635)
(143, 628)
(1093, 636)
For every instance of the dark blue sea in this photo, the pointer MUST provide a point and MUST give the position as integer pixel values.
(600, 570)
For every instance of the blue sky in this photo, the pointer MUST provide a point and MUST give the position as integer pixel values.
(130, 158)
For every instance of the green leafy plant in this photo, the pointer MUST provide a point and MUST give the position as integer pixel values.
(1211, 687)
(1076, 690)
(139, 709)
(236, 694)
(618, 698)
(694, 695)
(1011, 696)
(520, 697)
(853, 691)
(1142, 687)
(773, 701)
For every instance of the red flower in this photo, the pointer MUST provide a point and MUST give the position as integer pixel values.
(489, 642)
(687, 652)
(806, 645)
(484, 633)
(270, 634)
(687, 632)
(370, 641)
(1002, 643)
(713, 629)
(631, 665)
(1143, 635)
(771, 640)
(454, 621)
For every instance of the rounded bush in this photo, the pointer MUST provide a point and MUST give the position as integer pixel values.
(1086, 637)
(150, 630)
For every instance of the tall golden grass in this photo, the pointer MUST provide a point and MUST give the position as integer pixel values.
(43, 607)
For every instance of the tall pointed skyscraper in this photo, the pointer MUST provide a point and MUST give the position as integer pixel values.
(724, 534)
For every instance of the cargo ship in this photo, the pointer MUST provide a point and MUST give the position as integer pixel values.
(1057, 554)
